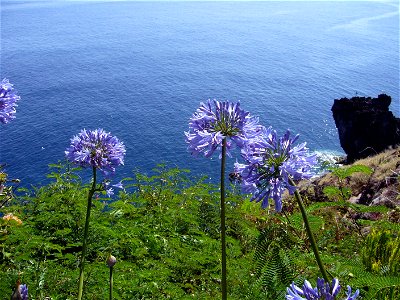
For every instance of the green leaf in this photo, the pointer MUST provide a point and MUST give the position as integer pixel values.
(331, 191)
(357, 168)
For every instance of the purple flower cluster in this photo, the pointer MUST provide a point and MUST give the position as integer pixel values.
(23, 289)
(8, 101)
(20, 292)
(108, 187)
(270, 164)
(97, 149)
(210, 125)
(323, 291)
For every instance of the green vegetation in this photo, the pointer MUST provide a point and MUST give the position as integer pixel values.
(342, 192)
(164, 231)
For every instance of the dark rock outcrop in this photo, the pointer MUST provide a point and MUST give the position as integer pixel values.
(366, 126)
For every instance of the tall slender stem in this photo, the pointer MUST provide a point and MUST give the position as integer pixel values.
(223, 243)
(84, 246)
(309, 232)
(111, 283)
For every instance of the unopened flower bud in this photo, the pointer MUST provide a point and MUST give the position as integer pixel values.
(111, 261)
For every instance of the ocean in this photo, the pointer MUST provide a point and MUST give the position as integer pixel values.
(140, 69)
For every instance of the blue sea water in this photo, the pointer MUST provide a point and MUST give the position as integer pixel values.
(140, 69)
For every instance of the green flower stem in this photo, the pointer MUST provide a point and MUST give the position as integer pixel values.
(111, 283)
(223, 243)
(309, 232)
(84, 246)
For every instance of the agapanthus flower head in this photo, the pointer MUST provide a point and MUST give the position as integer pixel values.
(213, 121)
(96, 148)
(20, 292)
(23, 289)
(8, 101)
(269, 162)
(323, 291)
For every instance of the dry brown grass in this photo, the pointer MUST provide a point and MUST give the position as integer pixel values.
(386, 170)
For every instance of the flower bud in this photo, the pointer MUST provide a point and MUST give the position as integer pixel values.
(111, 261)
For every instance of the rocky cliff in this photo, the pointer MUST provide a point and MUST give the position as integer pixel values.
(365, 125)
(379, 188)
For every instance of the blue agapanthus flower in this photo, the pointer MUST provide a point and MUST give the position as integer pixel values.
(97, 149)
(20, 292)
(323, 291)
(23, 289)
(270, 161)
(108, 187)
(8, 101)
(213, 121)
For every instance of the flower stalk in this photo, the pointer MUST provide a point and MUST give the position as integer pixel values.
(223, 227)
(111, 261)
(272, 165)
(111, 283)
(309, 232)
(85, 235)
(96, 149)
(210, 127)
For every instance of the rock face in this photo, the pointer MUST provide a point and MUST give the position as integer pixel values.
(380, 188)
(366, 126)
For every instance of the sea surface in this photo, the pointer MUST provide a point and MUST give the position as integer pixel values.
(140, 69)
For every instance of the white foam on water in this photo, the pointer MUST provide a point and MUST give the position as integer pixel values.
(326, 159)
